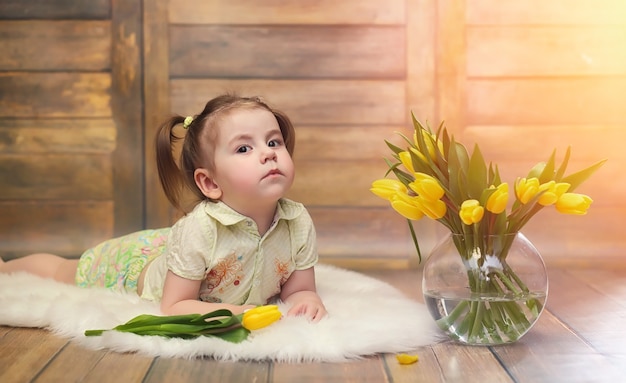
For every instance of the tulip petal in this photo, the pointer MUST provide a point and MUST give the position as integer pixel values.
(386, 188)
(573, 203)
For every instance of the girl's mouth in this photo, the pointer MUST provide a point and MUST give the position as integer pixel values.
(273, 172)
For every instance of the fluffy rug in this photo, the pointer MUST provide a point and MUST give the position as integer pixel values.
(366, 316)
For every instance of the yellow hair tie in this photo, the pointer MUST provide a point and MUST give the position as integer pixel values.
(187, 122)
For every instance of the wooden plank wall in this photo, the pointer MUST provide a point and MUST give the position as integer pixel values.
(538, 75)
(84, 87)
(70, 118)
(340, 70)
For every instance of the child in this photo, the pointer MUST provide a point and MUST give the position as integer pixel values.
(240, 246)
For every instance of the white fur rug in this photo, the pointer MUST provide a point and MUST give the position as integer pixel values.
(366, 316)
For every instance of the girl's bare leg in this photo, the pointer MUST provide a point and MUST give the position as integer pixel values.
(43, 265)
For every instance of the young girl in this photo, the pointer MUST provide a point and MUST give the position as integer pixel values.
(242, 245)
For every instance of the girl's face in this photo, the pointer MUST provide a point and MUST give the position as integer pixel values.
(252, 164)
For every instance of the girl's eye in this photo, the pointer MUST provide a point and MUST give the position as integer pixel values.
(274, 143)
(243, 149)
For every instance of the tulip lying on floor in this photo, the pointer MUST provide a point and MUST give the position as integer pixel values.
(220, 323)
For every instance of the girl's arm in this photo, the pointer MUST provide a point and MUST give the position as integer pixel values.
(180, 296)
(299, 290)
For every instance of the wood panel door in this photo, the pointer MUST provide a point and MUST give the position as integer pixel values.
(71, 158)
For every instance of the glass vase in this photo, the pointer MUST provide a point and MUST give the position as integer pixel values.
(485, 290)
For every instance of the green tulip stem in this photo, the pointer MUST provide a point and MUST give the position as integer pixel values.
(449, 319)
(509, 271)
(478, 320)
(484, 321)
(506, 281)
(415, 242)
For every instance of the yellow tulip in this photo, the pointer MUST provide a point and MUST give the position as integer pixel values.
(526, 189)
(406, 206)
(432, 209)
(261, 316)
(552, 191)
(427, 187)
(471, 212)
(406, 160)
(418, 154)
(498, 199)
(386, 188)
(573, 203)
(429, 139)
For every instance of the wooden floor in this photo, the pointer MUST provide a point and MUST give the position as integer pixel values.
(581, 337)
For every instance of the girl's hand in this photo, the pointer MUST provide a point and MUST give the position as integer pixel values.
(299, 291)
(308, 304)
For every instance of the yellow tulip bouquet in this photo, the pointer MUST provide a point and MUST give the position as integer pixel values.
(436, 177)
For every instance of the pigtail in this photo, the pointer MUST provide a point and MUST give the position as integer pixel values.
(170, 174)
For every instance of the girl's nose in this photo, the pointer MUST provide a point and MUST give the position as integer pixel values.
(269, 155)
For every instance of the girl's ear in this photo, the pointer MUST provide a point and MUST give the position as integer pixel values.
(206, 184)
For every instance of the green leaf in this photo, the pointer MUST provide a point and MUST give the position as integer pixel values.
(163, 328)
(236, 335)
(500, 224)
(458, 163)
(426, 167)
(158, 319)
(94, 332)
(579, 177)
(484, 196)
(561, 170)
(548, 170)
(494, 175)
(393, 147)
(477, 174)
(416, 124)
(406, 139)
(536, 170)
(442, 134)
(461, 155)
(226, 318)
(402, 176)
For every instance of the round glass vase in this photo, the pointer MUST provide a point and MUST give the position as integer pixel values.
(485, 290)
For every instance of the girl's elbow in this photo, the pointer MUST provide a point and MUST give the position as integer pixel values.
(167, 308)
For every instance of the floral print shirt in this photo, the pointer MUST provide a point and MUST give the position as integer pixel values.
(223, 248)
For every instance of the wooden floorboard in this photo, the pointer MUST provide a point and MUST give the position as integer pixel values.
(167, 370)
(25, 353)
(427, 369)
(82, 362)
(551, 351)
(368, 370)
(579, 338)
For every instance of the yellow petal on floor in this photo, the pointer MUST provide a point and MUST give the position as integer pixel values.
(406, 358)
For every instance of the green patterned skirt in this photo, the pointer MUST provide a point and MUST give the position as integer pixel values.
(117, 263)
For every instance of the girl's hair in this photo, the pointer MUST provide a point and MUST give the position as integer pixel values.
(199, 143)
